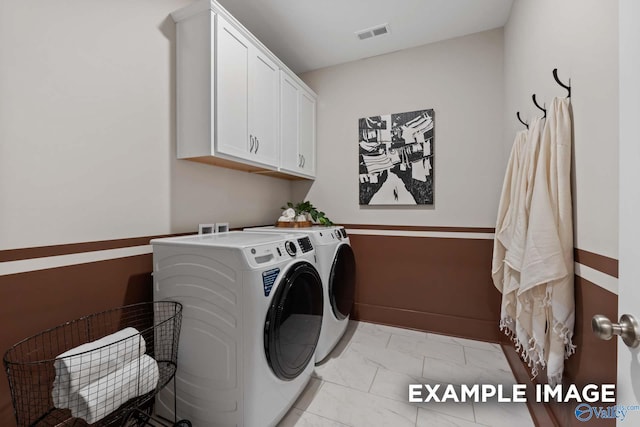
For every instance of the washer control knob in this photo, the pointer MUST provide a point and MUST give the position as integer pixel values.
(291, 248)
(338, 234)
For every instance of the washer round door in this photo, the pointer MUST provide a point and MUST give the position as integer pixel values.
(342, 281)
(293, 322)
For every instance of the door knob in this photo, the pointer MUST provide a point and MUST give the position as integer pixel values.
(628, 329)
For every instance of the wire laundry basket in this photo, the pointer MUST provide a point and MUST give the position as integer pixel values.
(35, 365)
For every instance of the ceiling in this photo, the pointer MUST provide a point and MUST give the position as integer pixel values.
(311, 34)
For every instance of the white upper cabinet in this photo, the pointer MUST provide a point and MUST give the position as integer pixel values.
(230, 99)
(247, 84)
(289, 156)
(307, 132)
(232, 52)
(297, 128)
(263, 114)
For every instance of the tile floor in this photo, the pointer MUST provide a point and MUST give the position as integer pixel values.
(364, 382)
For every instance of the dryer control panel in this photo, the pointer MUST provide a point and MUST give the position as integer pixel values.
(330, 235)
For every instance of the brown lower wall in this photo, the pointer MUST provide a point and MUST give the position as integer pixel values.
(432, 284)
(595, 361)
(444, 286)
(34, 301)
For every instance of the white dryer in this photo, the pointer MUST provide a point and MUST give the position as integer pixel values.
(337, 267)
(252, 317)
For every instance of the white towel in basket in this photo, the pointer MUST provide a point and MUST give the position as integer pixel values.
(102, 397)
(89, 362)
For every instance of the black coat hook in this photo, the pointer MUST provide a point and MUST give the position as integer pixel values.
(568, 88)
(538, 105)
(522, 121)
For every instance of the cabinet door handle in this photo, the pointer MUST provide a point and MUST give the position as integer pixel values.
(251, 143)
(257, 145)
(299, 160)
(304, 161)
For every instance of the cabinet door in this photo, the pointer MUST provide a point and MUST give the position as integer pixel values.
(289, 156)
(232, 87)
(263, 109)
(307, 132)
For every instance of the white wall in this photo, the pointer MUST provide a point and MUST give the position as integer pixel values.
(87, 129)
(462, 80)
(580, 38)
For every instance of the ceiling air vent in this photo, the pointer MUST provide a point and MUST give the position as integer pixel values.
(373, 32)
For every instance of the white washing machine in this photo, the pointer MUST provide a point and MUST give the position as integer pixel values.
(252, 317)
(336, 263)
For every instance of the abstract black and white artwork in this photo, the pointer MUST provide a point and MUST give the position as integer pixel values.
(396, 158)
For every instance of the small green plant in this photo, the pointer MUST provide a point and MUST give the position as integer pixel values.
(303, 208)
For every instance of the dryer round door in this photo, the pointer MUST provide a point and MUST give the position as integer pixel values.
(342, 281)
(293, 323)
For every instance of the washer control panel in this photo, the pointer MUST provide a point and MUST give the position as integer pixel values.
(305, 244)
(291, 247)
